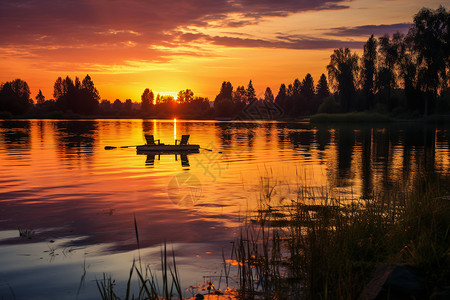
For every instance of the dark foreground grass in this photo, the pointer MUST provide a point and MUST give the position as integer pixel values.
(323, 247)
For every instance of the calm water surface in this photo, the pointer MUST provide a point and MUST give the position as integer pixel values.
(76, 202)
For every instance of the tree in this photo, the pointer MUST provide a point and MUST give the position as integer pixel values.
(40, 99)
(342, 72)
(15, 97)
(89, 96)
(128, 105)
(78, 97)
(368, 70)
(307, 94)
(280, 99)
(147, 100)
(268, 95)
(322, 88)
(223, 104)
(117, 105)
(239, 95)
(430, 33)
(185, 96)
(389, 56)
(226, 91)
(250, 92)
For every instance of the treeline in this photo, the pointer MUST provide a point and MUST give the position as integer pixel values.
(404, 75)
(75, 98)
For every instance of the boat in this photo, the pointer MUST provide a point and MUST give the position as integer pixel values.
(168, 148)
(181, 145)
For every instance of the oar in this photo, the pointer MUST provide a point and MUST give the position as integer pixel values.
(209, 150)
(114, 147)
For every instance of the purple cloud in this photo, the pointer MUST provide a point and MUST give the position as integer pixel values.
(367, 30)
(281, 41)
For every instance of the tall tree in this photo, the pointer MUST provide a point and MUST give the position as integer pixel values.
(185, 96)
(430, 33)
(368, 70)
(90, 96)
(268, 95)
(307, 93)
(15, 97)
(389, 56)
(147, 101)
(342, 72)
(250, 92)
(40, 99)
(322, 88)
(239, 95)
(280, 99)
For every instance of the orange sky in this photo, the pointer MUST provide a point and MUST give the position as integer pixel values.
(167, 46)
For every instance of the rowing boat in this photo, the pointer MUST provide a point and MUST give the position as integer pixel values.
(168, 148)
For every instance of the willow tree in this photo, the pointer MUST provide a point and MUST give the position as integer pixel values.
(342, 72)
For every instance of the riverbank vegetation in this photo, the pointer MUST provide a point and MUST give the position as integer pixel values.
(327, 246)
(403, 76)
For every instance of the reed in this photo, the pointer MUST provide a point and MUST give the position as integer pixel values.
(325, 246)
(147, 281)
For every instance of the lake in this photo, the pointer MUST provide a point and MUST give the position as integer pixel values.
(68, 206)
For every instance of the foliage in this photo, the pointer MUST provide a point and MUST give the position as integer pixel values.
(342, 72)
(147, 101)
(15, 97)
(329, 105)
(77, 97)
(368, 70)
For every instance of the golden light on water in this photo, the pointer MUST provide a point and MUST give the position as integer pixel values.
(174, 129)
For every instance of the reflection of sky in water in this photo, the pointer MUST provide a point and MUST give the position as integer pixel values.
(57, 179)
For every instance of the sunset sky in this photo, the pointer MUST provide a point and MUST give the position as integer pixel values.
(170, 45)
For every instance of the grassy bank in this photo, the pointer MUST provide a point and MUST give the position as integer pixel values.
(322, 246)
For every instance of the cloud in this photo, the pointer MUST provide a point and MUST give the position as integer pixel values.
(73, 22)
(367, 30)
(299, 42)
(72, 34)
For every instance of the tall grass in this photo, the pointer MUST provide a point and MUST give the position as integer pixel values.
(321, 246)
(147, 281)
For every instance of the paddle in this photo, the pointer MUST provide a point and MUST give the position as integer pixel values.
(114, 147)
(210, 150)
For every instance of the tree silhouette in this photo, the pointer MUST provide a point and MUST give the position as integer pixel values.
(15, 97)
(117, 105)
(239, 96)
(322, 88)
(430, 33)
(342, 72)
(268, 95)
(307, 94)
(368, 70)
(250, 92)
(389, 55)
(40, 99)
(185, 96)
(223, 104)
(280, 99)
(75, 96)
(147, 101)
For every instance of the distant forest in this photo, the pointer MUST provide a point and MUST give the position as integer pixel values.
(403, 75)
